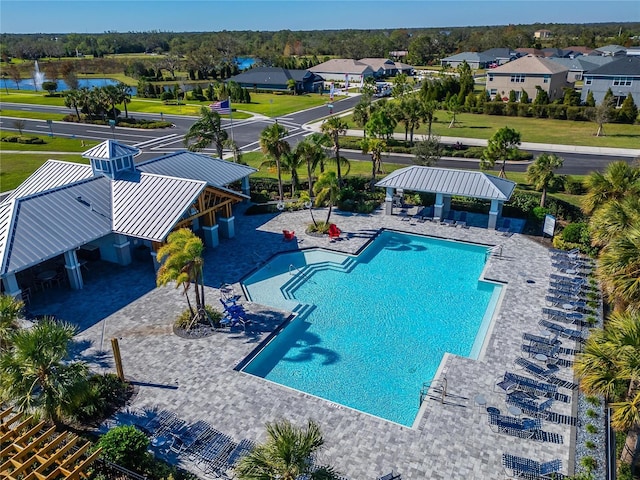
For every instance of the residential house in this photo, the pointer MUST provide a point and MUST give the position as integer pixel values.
(542, 34)
(486, 59)
(580, 65)
(103, 209)
(622, 76)
(610, 51)
(343, 70)
(398, 54)
(527, 73)
(277, 78)
(382, 67)
(580, 49)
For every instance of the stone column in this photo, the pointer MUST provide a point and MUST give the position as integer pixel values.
(227, 227)
(388, 201)
(494, 213)
(11, 287)
(122, 245)
(438, 207)
(211, 236)
(73, 270)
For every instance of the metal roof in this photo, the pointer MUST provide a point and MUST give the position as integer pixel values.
(52, 173)
(196, 166)
(465, 183)
(110, 149)
(148, 206)
(43, 225)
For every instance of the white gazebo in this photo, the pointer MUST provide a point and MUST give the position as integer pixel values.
(445, 183)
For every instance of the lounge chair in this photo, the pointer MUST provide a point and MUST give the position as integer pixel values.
(390, 476)
(216, 450)
(334, 231)
(288, 235)
(570, 294)
(565, 279)
(506, 225)
(531, 406)
(530, 337)
(561, 330)
(188, 437)
(563, 316)
(526, 468)
(550, 351)
(404, 215)
(529, 385)
(544, 374)
(517, 427)
(462, 221)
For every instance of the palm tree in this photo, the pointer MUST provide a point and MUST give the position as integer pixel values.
(429, 109)
(334, 127)
(312, 152)
(618, 268)
(614, 218)
(206, 130)
(290, 162)
(124, 96)
(362, 112)
(35, 373)
(272, 143)
(618, 181)
(72, 100)
(182, 262)
(375, 147)
(541, 173)
(611, 358)
(286, 455)
(111, 97)
(10, 309)
(327, 190)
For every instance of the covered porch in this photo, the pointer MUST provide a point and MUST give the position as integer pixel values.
(446, 183)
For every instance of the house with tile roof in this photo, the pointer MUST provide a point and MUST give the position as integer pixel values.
(277, 78)
(527, 73)
(621, 75)
(343, 69)
(109, 206)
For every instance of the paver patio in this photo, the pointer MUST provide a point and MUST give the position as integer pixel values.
(195, 378)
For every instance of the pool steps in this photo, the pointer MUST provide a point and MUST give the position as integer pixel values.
(304, 273)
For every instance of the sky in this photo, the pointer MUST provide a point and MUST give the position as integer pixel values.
(97, 16)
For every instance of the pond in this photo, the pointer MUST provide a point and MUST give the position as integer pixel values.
(28, 84)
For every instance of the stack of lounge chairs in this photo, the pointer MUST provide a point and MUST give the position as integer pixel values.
(234, 314)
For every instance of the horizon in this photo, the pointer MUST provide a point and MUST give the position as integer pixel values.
(170, 16)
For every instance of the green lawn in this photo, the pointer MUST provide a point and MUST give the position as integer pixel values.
(55, 144)
(36, 115)
(17, 167)
(536, 130)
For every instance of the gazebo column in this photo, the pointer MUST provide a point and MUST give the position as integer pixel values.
(438, 207)
(246, 188)
(495, 212)
(11, 286)
(446, 205)
(388, 201)
(72, 266)
(122, 246)
(210, 230)
(227, 223)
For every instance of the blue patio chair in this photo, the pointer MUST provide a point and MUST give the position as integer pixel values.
(561, 330)
(571, 279)
(567, 317)
(530, 337)
(568, 294)
(531, 406)
(526, 468)
(516, 427)
(506, 225)
(533, 368)
(550, 351)
(530, 385)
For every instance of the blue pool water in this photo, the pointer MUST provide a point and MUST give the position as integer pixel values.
(373, 328)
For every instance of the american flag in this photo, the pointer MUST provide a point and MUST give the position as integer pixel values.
(223, 107)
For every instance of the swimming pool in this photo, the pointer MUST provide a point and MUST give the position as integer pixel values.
(372, 328)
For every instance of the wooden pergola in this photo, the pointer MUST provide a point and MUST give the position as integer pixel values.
(32, 450)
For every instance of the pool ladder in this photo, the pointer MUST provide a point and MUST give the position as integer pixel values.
(439, 387)
(495, 251)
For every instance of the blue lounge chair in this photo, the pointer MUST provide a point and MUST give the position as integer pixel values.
(550, 351)
(530, 337)
(528, 469)
(546, 374)
(462, 221)
(531, 406)
(563, 316)
(517, 427)
(561, 330)
(571, 279)
(530, 385)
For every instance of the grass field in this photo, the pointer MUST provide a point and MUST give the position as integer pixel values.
(17, 167)
(55, 144)
(536, 130)
(35, 115)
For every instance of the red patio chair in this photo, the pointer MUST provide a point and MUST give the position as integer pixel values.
(289, 235)
(334, 231)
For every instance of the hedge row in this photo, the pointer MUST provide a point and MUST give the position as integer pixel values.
(23, 139)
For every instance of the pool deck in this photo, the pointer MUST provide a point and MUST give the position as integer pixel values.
(195, 378)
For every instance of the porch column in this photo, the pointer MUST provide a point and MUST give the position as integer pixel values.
(73, 270)
(227, 227)
(494, 213)
(246, 187)
(156, 264)
(122, 246)
(211, 236)
(11, 287)
(438, 207)
(388, 201)
(446, 205)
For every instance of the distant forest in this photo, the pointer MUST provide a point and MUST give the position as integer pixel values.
(425, 46)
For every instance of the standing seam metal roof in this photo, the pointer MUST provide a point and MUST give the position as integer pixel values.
(451, 182)
(110, 149)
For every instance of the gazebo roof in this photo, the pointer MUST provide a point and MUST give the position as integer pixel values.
(465, 183)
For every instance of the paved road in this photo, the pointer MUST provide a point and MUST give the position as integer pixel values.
(246, 133)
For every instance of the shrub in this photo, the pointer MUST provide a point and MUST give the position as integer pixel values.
(166, 96)
(591, 428)
(624, 472)
(589, 444)
(10, 138)
(524, 110)
(576, 233)
(494, 108)
(574, 186)
(592, 413)
(106, 393)
(184, 319)
(126, 446)
(589, 463)
(539, 213)
(318, 227)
